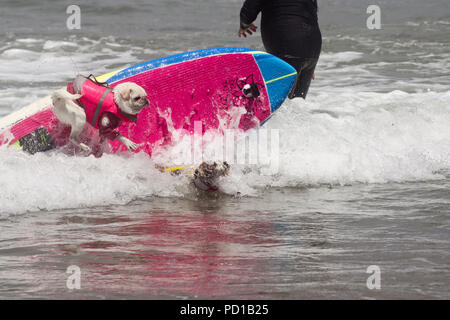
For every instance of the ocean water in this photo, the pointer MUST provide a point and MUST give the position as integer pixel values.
(363, 176)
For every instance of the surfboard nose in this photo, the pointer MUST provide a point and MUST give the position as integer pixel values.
(279, 77)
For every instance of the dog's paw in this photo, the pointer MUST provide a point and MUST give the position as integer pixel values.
(81, 145)
(85, 147)
(131, 145)
(128, 143)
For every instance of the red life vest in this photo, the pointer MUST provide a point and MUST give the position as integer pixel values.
(96, 99)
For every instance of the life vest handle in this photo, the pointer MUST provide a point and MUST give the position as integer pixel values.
(94, 79)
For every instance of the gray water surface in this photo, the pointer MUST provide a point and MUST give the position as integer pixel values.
(298, 244)
(364, 177)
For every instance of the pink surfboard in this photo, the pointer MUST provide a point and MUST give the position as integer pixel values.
(201, 86)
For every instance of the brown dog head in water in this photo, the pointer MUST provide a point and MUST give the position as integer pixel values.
(206, 176)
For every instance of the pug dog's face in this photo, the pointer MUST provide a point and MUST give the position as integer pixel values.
(213, 170)
(130, 97)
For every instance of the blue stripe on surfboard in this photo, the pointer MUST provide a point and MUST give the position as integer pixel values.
(177, 58)
(278, 91)
(272, 67)
(279, 77)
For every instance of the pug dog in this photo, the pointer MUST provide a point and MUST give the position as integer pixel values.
(70, 113)
(206, 176)
(129, 97)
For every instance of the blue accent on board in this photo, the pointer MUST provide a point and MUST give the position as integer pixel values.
(272, 68)
(278, 91)
(177, 58)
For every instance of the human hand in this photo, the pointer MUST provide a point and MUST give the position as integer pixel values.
(243, 32)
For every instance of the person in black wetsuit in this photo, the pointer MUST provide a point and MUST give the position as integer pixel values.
(290, 31)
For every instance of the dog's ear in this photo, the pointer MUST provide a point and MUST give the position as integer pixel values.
(125, 94)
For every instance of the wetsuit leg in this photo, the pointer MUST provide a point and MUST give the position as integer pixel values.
(305, 69)
(301, 49)
(290, 31)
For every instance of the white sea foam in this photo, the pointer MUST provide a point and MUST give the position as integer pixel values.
(54, 181)
(330, 139)
(31, 62)
(54, 63)
(331, 59)
(351, 129)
